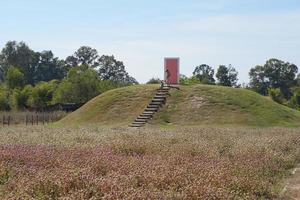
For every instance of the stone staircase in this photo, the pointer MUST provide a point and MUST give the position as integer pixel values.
(158, 101)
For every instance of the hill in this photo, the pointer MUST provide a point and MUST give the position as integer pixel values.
(191, 105)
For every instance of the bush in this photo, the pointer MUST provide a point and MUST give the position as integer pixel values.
(276, 95)
(81, 85)
(20, 98)
(42, 94)
(154, 81)
(189, 81)
(106, 85)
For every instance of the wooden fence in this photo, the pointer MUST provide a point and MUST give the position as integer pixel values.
(32, 119)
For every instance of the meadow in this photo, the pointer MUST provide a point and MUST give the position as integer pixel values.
(151, 163)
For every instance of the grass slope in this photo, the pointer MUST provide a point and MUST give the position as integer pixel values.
(191, 105)
(119, 106)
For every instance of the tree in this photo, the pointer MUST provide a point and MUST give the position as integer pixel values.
(205, 74)
(42, 94)
(21, 98)
(21, 56)
(112, 69)
(274, 74)
(84, 56)
(81, 85)
(227, 76)
(281, 75)
(49, 67)
(14, 78)
(258, 80)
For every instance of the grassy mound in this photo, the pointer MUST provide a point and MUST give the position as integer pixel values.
(191, 105)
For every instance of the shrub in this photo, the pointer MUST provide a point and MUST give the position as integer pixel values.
(154, 81)
(276, 95)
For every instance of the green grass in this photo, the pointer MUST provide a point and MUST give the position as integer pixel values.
(120, 106)
(190, 106)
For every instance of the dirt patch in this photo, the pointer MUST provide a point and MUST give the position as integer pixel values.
(196, 102)
(292, 188)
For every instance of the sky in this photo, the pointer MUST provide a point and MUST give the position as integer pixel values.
(243, 33)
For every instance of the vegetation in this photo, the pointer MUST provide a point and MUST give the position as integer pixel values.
(121, 163)
(38, 79)
(205, 74)
(227, 76)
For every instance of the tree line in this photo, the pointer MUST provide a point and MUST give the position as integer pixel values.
(38, 79)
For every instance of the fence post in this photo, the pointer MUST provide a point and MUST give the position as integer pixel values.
(3, 120)
(8, 122)
(32, 120)
(26, 120)
(37, 119)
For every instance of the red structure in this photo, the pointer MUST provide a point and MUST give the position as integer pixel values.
(172, 70)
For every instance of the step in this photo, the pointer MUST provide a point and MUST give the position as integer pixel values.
(141, 120)
(138, 123)
(148, 113)
(144, 117)
(161, 93)
(160, 96)
(164, 88)
(151, 109)
(155, 103)
(153, 106)
(135, 125)
(157, 100)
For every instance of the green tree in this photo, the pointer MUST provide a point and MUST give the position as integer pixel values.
(274, 74)
(21, 98)
(281, 75)
(205, 74)
(258, 80)
(227, 76)
(84, 56)
(21, 56)
(14, 78)
(49, 67)
(42, 94)
(112, 69)
(81, 85)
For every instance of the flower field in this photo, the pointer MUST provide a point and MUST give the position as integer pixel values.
(151, 163)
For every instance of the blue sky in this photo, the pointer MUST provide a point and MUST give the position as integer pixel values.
(243, 33)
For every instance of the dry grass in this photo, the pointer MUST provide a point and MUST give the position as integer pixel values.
(121, 163)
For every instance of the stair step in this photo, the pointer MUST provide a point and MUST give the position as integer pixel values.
(138, 123)
(148, 113)
(160, 96)
(151, 109)
(153, 106)
(161, 93)
(155, 103)
(141, 120)
(135, 126)
(144, 117)
(157, 100)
